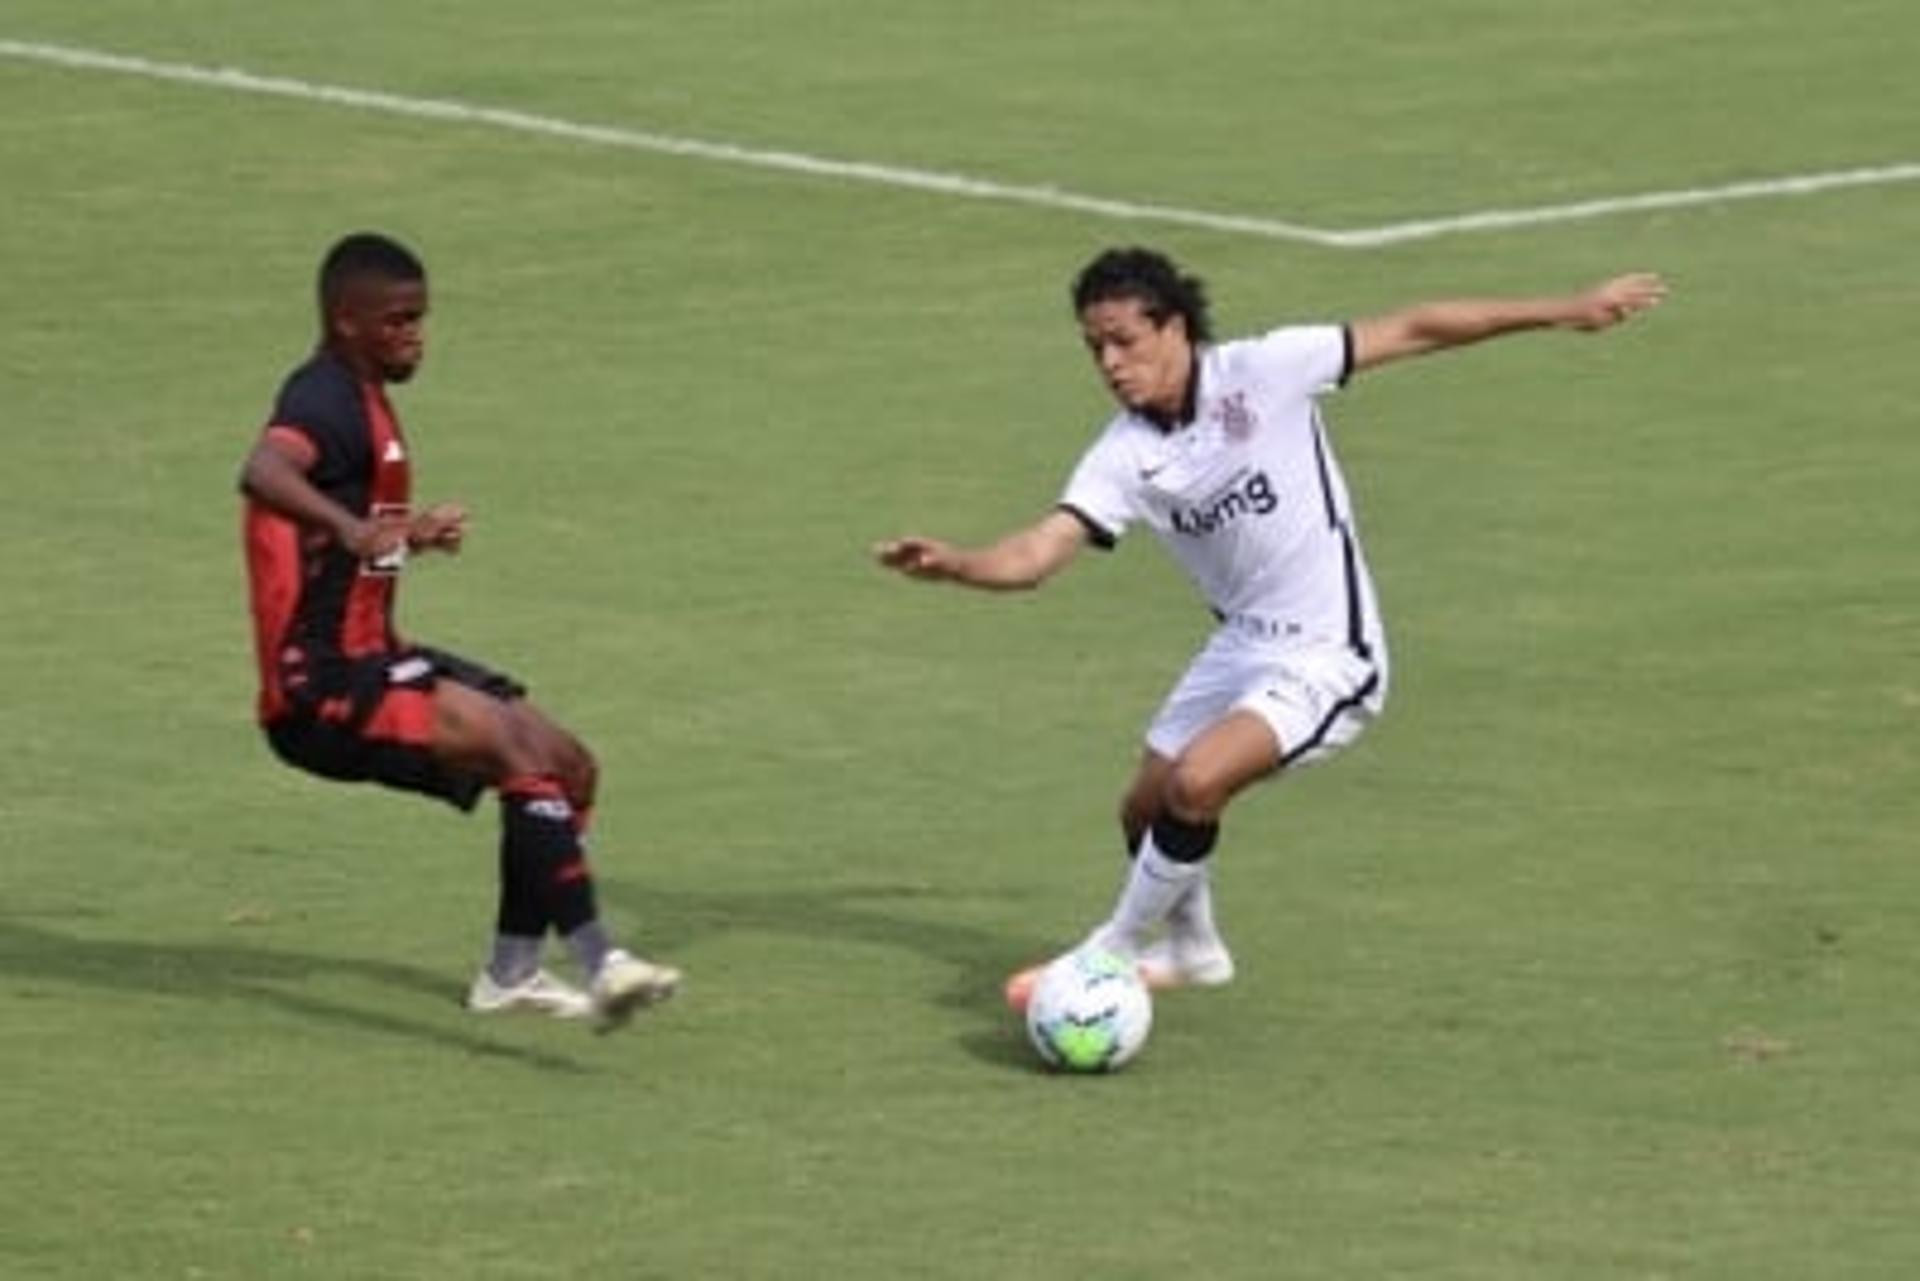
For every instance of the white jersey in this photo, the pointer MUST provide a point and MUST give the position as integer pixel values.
(1247, 496)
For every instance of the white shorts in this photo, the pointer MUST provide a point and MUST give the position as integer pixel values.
(1316, 696)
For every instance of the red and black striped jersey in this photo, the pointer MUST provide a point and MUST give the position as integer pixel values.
(316, 605)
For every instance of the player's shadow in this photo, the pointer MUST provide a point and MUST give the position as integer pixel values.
(268, 977)
(979, 959)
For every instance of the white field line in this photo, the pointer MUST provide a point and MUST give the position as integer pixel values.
(1498, 219)
(239, 81)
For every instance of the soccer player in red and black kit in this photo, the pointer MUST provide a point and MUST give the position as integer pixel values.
(328, 527)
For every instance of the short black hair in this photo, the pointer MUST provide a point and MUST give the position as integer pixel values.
(1150, 277)
(365, 253)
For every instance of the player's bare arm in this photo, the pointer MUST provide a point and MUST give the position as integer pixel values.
(273, 475)
(1438, 326)
(1020, 561)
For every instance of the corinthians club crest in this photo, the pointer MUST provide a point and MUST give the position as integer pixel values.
(1235, 419)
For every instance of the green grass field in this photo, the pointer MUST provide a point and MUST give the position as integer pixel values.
(1596, 959)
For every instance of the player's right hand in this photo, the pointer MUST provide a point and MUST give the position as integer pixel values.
(916, 557)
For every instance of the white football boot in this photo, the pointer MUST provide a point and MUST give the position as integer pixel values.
(538, 993)
(1181, 960)
(626, 983)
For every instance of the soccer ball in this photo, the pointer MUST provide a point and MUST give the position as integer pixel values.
(1089, 1012)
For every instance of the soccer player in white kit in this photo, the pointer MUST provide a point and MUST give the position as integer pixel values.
(1220, 450)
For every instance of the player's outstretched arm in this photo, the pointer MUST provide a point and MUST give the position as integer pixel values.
(1022, 560)
(1438, 326)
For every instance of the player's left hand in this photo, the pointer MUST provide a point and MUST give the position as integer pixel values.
(442, 527)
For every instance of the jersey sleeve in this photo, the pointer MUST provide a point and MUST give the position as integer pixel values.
(1307, 360)
(1098, 494)
(324, 412)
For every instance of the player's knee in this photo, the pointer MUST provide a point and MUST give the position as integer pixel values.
(1196, 793)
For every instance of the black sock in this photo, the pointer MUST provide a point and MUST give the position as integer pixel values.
(542, 868)
(523, 909)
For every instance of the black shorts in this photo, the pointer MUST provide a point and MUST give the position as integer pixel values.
(371, 721)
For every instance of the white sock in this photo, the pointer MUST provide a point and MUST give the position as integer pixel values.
(514, 960)
(1154, 884)
(1191, 919)
(591, 947)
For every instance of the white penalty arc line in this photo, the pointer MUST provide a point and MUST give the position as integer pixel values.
(240, 81)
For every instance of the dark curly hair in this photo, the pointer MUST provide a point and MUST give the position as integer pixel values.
(1150, 277)
(364, 253)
